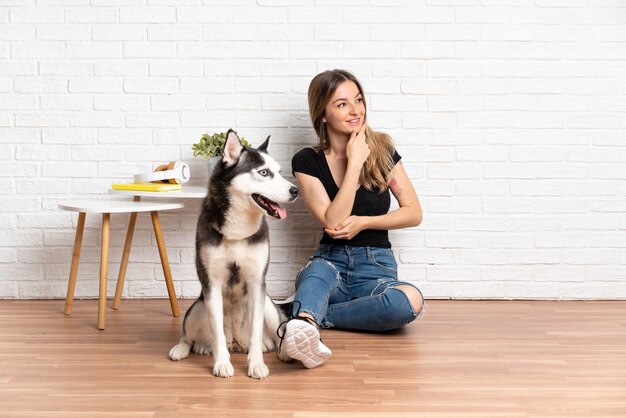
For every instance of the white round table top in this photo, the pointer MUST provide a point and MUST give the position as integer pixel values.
(191, 192)
(116, 206)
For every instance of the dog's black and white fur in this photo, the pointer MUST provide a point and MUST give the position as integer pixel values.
(233, 312)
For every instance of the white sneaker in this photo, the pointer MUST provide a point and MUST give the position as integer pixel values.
(302, 342)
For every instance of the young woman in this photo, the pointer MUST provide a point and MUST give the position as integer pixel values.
(351, 281)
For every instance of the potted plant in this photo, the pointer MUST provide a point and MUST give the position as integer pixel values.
(210, 147)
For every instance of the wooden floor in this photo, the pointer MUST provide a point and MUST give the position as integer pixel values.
(465, 359)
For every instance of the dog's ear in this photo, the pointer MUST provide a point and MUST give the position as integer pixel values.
(265, 146)
(232, 148)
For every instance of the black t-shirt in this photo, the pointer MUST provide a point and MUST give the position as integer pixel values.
(366, 203)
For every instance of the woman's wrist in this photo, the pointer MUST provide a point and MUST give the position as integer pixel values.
(366, 222)
(355, 166)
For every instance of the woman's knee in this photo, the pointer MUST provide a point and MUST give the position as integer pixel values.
(402, 308)
(413, 295)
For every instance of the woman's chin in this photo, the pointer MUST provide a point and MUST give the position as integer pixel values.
(354, 128)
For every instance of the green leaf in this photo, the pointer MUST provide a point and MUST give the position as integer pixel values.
(212, 145)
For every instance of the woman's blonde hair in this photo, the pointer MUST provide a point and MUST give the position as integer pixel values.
(375, 171)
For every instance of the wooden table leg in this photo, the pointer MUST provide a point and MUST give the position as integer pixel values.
(156, 223)
(71, 285)
(121, 277)
(104, 269)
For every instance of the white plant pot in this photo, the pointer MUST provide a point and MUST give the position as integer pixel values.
(211, 162)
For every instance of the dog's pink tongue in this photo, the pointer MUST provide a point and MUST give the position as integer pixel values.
(282, 213)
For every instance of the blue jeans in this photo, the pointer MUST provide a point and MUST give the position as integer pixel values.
(353, 288)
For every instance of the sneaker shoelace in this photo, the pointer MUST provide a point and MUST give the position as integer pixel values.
(283, 325)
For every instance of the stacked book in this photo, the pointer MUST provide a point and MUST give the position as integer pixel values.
(148, 187)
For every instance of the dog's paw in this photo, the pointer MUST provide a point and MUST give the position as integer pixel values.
(201, 349)
(258, 370)
(180, 351)
(223, 369)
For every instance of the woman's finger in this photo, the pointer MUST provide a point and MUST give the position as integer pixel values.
(331, 232)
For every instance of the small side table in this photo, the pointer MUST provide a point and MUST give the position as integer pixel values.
(106, 208)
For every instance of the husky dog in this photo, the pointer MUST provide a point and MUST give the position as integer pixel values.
(233, 312)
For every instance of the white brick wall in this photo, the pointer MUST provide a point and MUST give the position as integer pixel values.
(511, 117)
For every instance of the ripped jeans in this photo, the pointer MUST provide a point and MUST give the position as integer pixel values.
(353, 288)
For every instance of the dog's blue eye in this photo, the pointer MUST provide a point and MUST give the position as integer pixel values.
(264, 172)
